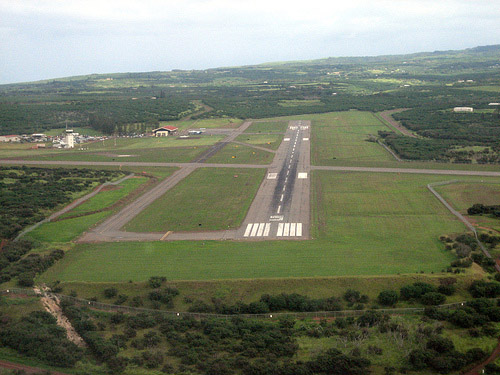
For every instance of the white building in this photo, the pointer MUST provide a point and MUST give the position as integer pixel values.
(70, 139)
(10, 138)
(463, 109)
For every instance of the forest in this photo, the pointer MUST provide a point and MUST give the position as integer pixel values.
(428, 85)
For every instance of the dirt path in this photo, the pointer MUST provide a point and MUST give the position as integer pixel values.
(205, 109)
(387, 116)
(51, 304)
(477, 370)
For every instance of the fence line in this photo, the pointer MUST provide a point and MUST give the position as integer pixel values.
(196, 315)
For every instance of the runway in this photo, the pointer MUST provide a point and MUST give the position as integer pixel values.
(280, 209)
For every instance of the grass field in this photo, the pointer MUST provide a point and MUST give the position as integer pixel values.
(241, 154)
(208, 199)
(271, 141)
(107, 197)
(66, 230)
(267, 127)
(341, 136)
(363, 224)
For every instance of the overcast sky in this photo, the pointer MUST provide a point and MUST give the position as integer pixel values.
(42, 39)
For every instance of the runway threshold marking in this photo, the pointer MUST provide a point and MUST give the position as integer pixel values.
(289, 230)
(257, 230)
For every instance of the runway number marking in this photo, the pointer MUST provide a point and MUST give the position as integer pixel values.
(272, 176)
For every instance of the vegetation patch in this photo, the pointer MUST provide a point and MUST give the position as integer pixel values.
(30, 194)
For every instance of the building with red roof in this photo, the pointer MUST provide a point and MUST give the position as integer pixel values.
(164, 131)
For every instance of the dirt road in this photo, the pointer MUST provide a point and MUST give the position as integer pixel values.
(387, 116)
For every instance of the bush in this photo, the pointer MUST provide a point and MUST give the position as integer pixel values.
(110, 292)
(440, 344)
(416, 290)
(447, 290)
(388, 297)
(26, 279)
(480, 288)
(432, 298)
(156, 281)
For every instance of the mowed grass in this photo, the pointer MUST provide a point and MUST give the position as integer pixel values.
(66, 230)
(106, 198)
(267, 127)
(363, 224)
(341, 136)
(240, 154)
(270, 141)
(208, 199)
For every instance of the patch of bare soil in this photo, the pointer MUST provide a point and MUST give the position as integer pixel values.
(51, 304)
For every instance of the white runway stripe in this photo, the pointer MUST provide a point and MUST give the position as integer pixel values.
(289, 230)
(260, 231)
(254, 230)
(247, 231)
(257, 230)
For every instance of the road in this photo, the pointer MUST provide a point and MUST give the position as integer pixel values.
(280, 209)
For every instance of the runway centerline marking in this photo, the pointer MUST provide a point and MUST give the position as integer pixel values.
(279, 209)
(281, 199)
